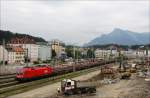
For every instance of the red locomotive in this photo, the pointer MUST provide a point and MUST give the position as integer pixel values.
(28, 73)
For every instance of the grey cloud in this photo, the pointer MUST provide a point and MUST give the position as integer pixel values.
(73, 21)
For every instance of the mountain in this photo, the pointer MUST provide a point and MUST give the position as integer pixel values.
(121, 37)
(7, 35)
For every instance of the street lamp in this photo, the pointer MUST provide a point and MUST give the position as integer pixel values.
(74, 59)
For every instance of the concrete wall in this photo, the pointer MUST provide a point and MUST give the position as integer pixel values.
(9, 69)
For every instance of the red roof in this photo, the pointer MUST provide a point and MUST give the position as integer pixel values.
(24, 40)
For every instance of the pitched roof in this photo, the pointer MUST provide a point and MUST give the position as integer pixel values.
(24, 40)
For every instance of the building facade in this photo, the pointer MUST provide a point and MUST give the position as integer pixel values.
(58, 47)
(3, 54)
(29, 46)
(105, 54)
(31, 51)
(16, 55)
(12, 54)
(44, 52)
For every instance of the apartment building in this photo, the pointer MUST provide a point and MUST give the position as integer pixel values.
(105, 54)
(15, 54)
(58, 46)
(29, 46)
(44, 51)
(12, 54)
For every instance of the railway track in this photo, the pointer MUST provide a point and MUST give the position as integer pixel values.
(21, 87)
(7, 80)
(3, 85)
(7, 76)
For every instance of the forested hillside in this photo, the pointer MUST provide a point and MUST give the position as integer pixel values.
(8, 35)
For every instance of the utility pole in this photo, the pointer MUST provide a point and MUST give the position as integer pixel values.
(3, 52)
(137, 57)
(27, 58)
(92, 54)
(74, 59)
(147, 56)
(120, 58)
(111, 54)
(77, 55)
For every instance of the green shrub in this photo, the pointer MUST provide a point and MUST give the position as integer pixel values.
(35, 62)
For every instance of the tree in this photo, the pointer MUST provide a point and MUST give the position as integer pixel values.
(53, 53)
(90, 53)
(69, 51)
(8, 35)
(78, 54)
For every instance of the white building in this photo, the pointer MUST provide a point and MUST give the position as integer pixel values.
(105, 54)
(135, 53)
(3, 53)
(44, 52)
(15, 54)
(129, 53)
(29, 45)
(31, 50)
(12, 54)
(142, 53)
(58, 47)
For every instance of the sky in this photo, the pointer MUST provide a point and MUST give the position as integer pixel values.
(73, 21)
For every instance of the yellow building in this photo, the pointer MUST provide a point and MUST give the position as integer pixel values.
(58, 46)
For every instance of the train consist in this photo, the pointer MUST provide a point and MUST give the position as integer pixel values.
(35, 72)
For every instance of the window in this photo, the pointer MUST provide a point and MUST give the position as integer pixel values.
(68, 84)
